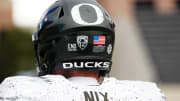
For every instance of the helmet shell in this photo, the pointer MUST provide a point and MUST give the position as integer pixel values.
(74, 34)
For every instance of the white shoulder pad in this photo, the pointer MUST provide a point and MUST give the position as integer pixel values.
(14, 88)
(136, 90)
(23, 88)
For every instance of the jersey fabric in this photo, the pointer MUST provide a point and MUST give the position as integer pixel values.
(58, 88)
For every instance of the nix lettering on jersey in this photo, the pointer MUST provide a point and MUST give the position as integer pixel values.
(95, 96)
(69, 65)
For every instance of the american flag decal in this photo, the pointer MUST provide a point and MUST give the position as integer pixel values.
(99, 40)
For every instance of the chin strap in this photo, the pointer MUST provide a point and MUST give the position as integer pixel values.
(42, 68)
(35, 41)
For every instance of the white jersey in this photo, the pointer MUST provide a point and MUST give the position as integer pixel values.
(58, 88)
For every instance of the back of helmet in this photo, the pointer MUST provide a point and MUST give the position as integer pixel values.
(74, 35)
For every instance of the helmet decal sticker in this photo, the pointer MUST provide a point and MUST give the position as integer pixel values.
(76, 14)
(98, 48)
(99, 40)
(82, 41)
(72, 47)
(90, 65)
(109, 49)
(99, 44)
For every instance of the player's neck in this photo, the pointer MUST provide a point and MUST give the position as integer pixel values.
(92, 74)
(79, 73)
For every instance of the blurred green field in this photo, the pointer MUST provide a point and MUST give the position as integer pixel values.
(16, 52)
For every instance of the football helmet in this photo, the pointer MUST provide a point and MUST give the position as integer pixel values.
(74, 35)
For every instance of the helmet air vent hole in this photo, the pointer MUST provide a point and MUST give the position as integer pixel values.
(61, 13)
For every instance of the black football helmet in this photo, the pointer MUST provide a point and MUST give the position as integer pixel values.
(74, 35)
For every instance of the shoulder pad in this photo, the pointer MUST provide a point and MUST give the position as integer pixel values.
(27, 88)
(136, 90)
(14, 87)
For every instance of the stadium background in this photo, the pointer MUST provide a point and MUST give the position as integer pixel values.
(147, 40)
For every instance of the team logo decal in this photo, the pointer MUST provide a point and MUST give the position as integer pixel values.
(90, 65)
(76, 14)
(109, 49)
(82, 41)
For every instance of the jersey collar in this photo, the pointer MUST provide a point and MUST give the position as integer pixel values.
(89, 81)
